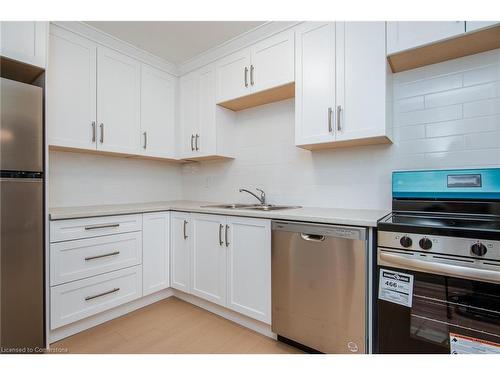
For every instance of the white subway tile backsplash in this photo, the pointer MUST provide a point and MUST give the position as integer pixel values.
(484, 75)
(482, 108)
(462, 95)
(428, 86)
(467, 158)
(463, 126)
(409, 104)
(411, 132)
(482, 140)
(452, 112)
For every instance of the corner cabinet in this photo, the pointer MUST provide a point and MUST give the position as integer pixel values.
(230, 261)
(260, 74)
(101, 100)
(205, 129)
(342, 85)
(158, 113)
(25, 41)
(155, 252)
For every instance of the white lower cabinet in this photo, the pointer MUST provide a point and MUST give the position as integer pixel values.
(249, 267)
(80, 299)
(155, 252)
(229, 262)
(180, 250)
(208, 259)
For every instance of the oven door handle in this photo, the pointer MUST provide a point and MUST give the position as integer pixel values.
(400, 261)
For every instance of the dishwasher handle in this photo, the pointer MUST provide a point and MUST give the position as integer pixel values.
(312, 237)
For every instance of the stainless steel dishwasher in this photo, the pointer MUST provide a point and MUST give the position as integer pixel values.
(319, 286)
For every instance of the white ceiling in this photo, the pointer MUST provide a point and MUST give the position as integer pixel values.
(175, 41)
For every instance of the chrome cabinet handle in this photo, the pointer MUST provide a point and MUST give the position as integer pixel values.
(196, 142)
(246, 76)
(312, 237)
(102, 132)
(251, 75)
(184, 230)
(145, 139)
(226, 235)
(220, 234)
(330, 112)
(90, 227)
(192, 139)
(114, 290)
(339, 109)
(94, 130)
(102, 256)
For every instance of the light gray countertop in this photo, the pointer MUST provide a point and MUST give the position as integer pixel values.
(359, 217)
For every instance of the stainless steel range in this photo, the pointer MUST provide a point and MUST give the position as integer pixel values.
(438, 262)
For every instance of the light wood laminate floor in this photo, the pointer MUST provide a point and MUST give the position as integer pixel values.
(172, 326)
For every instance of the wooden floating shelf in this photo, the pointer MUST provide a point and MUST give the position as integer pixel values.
(463, 45)
(259, 98)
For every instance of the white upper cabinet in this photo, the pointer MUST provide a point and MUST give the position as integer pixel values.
(272, 62)
(208, 258)
(155, 252)
(476, 25)
(71, 91)
(100, 99)
(158, 103)
(205, 129)
(406, 35)
(25, 41)
(315, 83)
(118, 101)
(341, 86)
(362, 88)
(180, 249)
(233, 76)
(266, 65)
(248, 242)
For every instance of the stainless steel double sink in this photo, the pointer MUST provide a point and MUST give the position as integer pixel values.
(258, 207)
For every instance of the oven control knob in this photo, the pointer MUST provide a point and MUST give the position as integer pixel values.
(405, 241)
(478, 249)
(425, 243)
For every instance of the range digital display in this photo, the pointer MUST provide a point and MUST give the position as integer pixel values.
(464, 180)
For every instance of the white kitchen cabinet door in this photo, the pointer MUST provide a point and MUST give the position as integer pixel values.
(476, 25)
(71, 91)
(206, 142)
(314, 83)
(25, 41)
(181, 239)
(410, 34)
(155, 252)
(248, 242)
(233, 76)
(189, 114)
(208, 259)
(361, 81)
(272, 62)
(158, 103)
(118, 102)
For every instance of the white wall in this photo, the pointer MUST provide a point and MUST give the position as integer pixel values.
(446, 116)
(77, 179)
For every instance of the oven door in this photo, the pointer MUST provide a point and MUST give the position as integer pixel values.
(442, 308)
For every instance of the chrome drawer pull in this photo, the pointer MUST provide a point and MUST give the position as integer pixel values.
(226, 235)
(90, 227)
(103, 255)
(102, 294)
(184, 229)
(221, 242)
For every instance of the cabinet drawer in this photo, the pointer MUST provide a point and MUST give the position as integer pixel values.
(78, 259)
(73, 229)
(77, 300)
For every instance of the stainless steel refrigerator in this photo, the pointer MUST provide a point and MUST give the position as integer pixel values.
(21, 218)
